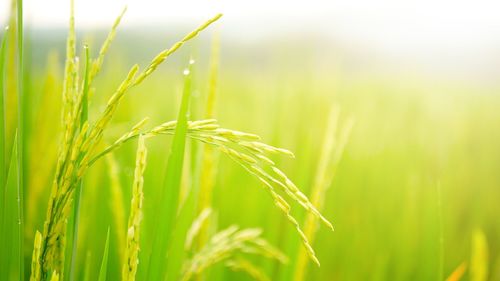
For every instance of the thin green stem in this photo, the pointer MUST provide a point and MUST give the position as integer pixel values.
(3, 170)
(20, 141)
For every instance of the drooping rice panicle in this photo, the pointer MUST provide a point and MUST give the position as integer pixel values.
(240, 264)
(134, 222)
(246, 150)
(227, 244)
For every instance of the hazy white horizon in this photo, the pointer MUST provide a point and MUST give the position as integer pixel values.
(454, 30)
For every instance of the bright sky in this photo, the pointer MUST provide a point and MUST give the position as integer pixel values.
(394, 26)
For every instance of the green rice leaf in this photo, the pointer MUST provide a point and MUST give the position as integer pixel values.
(169, 199)
(3, 170)
(11, 234)
(104, 264)
(21, 116)
(176, 251)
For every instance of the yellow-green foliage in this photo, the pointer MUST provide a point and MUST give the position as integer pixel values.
(376, 179)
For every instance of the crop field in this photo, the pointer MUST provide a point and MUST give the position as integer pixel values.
(181, 155)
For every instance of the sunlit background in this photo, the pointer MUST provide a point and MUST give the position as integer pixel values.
(414, 192)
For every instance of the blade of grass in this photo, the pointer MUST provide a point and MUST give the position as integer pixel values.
(86, 267)
(331, 152)
(3, 169)
(104, 264)
(208, 171)
(20, 134)
(169, 198)
(2, 111)
(11, 256)
(176, 251)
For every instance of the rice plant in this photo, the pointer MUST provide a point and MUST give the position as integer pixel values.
(87, 195)
(79, 150)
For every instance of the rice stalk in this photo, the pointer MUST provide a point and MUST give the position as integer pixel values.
(75, 218)
(208, 171)
(134, 222)
(330, 155)
(20, 134)
(10, 84)
(11, 235)
(3, 152)
(3, 172)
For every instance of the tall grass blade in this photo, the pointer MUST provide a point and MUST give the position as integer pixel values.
(331, 152)
(3, 171)
(208, 170)
(86, 267)
(117, 205)
(104, 264)
(10, 242)
(20, 133)
(169, 198)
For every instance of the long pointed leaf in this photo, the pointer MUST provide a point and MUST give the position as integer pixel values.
(3, 170)
(20, 133)
(104, 264)
(10, 259)
(170, 193)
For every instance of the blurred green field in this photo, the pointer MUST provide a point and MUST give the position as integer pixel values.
(418, 179)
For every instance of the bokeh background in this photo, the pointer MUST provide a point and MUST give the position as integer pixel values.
(416, 192)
